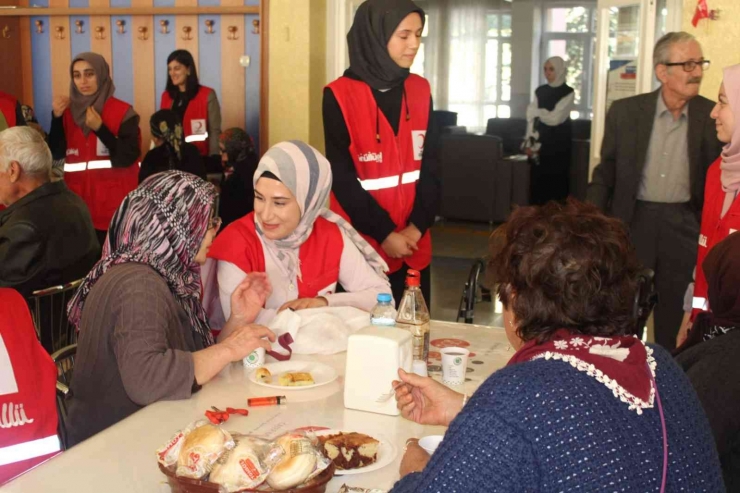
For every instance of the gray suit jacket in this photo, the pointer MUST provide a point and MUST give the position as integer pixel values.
(629, 125)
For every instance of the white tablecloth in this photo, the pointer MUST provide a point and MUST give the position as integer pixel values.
(122, 459)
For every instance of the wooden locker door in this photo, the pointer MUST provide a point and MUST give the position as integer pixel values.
(11, 80)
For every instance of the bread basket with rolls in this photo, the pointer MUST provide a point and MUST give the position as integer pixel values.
(204, 458)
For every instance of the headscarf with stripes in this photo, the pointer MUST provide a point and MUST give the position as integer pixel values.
(161, 224)
(307, 174)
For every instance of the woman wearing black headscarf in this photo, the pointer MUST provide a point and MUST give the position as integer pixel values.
(170, 151)
(377, 119)
(237, 191)
(710, 354)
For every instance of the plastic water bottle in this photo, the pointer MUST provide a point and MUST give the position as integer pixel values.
(383, 314)
(413, 315)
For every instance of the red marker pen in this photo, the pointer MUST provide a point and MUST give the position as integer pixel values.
(266, 401)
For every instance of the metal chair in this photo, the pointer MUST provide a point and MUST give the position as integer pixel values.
(65, 361)
(49, 311)
(473, 292)
(645, 300)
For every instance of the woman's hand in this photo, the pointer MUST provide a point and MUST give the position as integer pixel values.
(412, 233)
(249, 297)
(245, 339)
(93, 119)
(397, 245)
(415, 459)
(683, 331)
(425, 401)
(59, 104)
(303, 303)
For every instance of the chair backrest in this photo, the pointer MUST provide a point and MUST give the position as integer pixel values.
(457, 130)
(49, 311)
(445, 118)
(65, 361)
(510, 130)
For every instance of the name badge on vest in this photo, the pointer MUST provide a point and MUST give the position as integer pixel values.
(198, 127)
(101, 149)
(418, 137)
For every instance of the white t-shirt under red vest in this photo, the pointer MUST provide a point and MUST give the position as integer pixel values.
(87, 167)
(713, 230)
(390, 169)
(28, 414)
(7, 107)
(195, 121)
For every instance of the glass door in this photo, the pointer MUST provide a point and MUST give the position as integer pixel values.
(625, 35)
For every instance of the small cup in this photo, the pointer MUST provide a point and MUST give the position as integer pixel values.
(255, 359)
(419, 366)
(430, 443)
(454, 365)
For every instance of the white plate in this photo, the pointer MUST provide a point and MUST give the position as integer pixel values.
(386, 452)
(321, 373)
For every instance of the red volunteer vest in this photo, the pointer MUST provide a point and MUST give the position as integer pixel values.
(389, 169)
(713, 230)
(28, 413)
(87, 166)
(7, 107)
(195, 124)
(320, 254)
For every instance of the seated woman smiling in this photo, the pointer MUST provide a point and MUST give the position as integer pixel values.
(583, 405)
(143, 333)
(304, 248)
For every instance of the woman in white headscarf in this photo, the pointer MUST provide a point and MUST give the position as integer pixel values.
(304, 248)
(548, 138)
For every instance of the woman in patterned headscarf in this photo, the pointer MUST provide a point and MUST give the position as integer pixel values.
(304, 248)
(171, 151)
(143, 333)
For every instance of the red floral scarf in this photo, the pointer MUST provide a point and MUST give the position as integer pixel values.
(624, 364)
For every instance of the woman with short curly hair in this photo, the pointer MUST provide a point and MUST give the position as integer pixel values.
(582, 404)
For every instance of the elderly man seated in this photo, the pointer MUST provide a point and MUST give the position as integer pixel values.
(46, 233)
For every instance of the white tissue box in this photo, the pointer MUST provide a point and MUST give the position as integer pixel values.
(374, 355)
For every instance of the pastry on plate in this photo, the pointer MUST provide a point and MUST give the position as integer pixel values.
(298, 379)
(263, 375)
(350, 450)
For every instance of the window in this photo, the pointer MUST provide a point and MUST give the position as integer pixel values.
(486, 51)
(418, 66)
(570, 33)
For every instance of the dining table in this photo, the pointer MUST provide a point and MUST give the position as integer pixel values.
(122, 457)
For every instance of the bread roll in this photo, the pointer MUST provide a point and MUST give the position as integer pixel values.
(262, 374)
(201, 448)
(296, 465)
(240, 468)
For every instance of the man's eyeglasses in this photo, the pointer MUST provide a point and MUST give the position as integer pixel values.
(214, 223)
(690, 65)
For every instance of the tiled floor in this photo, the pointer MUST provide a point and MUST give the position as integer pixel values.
(456, 246)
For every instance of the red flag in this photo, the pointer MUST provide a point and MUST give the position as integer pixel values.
(702, 12)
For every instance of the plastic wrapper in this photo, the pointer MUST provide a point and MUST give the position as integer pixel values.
(355, 489)
(302, 461)
(247, 465)
(195, 449)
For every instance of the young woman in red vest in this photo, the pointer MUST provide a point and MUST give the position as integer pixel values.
(98, 137)
(721, 211)
(304, 248)
(196, 105)
(11, 113)
(377, 120)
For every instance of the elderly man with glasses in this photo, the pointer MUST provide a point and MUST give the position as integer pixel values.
(656, 150)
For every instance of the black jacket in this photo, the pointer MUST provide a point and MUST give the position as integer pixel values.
(46, 239)
(629, 125)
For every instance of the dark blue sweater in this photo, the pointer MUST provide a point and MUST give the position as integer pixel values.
(543, 426)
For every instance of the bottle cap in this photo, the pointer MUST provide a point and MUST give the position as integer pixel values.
(384, 298)
(413, 278)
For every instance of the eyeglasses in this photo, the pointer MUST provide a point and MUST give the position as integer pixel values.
(690, 65)
(215, 223)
